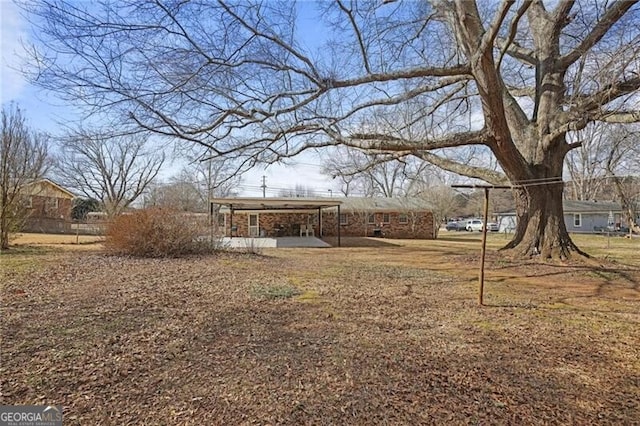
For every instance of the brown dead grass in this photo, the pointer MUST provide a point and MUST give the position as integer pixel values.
(61, 241)
(386, 334)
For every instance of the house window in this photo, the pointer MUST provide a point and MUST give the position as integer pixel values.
(52, 203)
(403, 218)
(371, 218)
(29, 202)
(343, 219)
(577, 220)
(386, 218)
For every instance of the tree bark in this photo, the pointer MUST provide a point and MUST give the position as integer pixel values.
(541, 230)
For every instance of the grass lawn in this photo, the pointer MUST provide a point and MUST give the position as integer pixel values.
(386, 332)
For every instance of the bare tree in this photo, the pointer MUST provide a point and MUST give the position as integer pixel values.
(375, 174)
(587, 165)
(113, 169)
(180, 194)
(621, 163)
(444, 202)
(422, 79)
(214, 176)
(23, 159)
(297, 191)
(605, 164)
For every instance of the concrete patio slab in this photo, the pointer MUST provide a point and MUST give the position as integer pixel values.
(279, 242)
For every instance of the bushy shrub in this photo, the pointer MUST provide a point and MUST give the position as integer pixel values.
(156, 232)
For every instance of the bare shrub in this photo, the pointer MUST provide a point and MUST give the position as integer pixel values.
(156, 232)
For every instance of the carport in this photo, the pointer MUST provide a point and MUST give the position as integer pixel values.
(275, 205)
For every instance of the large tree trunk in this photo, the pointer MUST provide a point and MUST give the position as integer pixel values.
(4, 239)
(541, 230)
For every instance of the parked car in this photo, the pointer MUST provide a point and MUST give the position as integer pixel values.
(474, 225)
(455, 226)
(493, 227)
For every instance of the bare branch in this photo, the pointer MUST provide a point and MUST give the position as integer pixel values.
(513, 28)
(487, 175)
(608, 94)
(521, 91)
(611, 16)
(492, 32)
(358, 33)
(385, 142)
(618, 117)
(457, 70)
(561, 14)
(313, 76)
(513, 49)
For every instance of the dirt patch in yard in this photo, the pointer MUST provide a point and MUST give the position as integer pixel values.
(365, 335)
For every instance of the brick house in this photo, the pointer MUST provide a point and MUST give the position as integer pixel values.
(320, 217)
(48, 207)
(384, 217)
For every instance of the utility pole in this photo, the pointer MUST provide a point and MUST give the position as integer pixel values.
(264, 186)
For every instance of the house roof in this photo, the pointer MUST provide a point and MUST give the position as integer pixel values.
(372, 204)
(51, 183)
(284, 203)
(380, 204)
(571, 206)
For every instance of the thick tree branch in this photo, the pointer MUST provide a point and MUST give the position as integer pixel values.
(385, 142)
(513, 28)
(618, 117)
(494, 28)
(561, 14)
(528, 92)
(610, 17)
(608, 94)
(513, 49)
(403, 74)
(487, 175)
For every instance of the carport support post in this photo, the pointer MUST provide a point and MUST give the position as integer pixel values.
(319, 222)
(484, 245)
(230, 220)
(211, 210)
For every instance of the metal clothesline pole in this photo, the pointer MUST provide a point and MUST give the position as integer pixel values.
(483, 251)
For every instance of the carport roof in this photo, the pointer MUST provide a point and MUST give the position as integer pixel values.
(257, 203)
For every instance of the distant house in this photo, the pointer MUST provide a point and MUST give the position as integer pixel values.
(350, 216)
(48, 207)
(579, 216)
